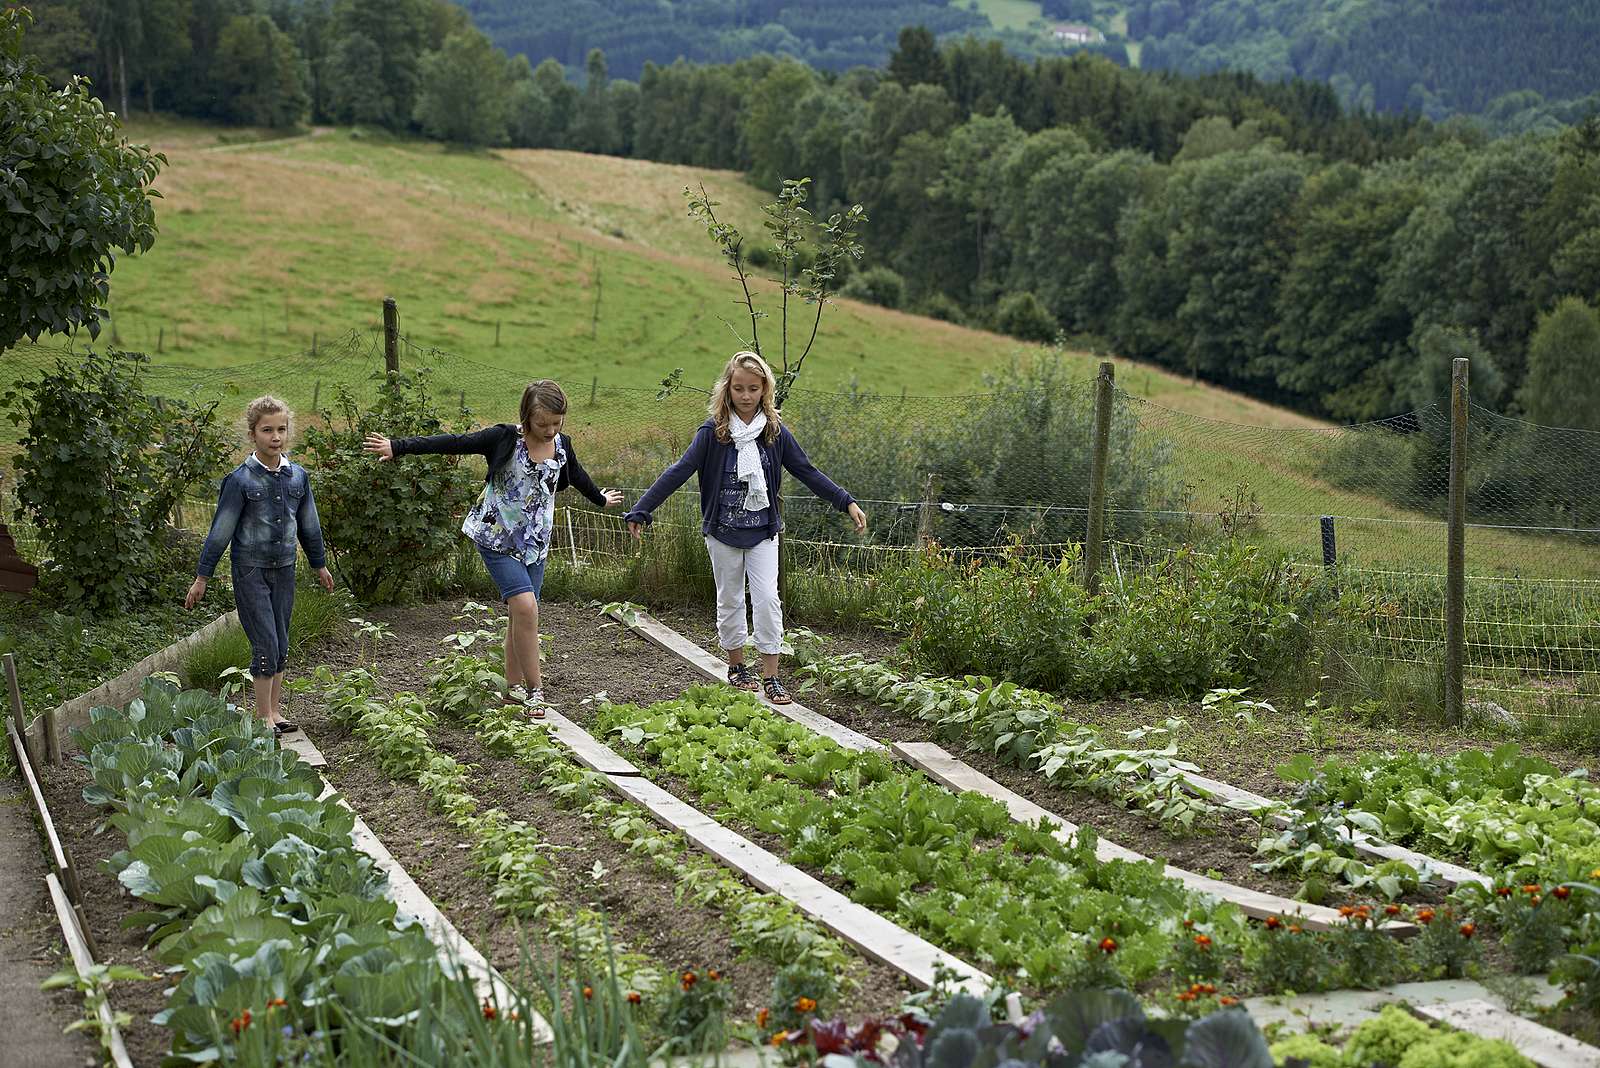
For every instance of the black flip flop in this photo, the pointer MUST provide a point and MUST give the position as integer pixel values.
(283, 726)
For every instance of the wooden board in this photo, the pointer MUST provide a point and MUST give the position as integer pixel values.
(300, 745)
(1538, 1043)
(954, 774)
(590, 752)
(876, 937)
(717, 671)
(126, 686)
(454, 949)
(82, 962)
(58, 852)
(1363, 843)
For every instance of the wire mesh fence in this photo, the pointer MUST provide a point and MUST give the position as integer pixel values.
(992, 472)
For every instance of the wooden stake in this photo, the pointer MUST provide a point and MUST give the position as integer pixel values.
(497, 333)
(161, 337)
(17, 720)
(925, 513)
(316, 390)
(1094, 538)
(1455, 614)
(594, 387)
(391, 336)
(52, 740)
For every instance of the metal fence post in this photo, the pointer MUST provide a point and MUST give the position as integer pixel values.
(1455, 590)
(1094, 539)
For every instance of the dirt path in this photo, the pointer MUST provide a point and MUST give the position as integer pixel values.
(31, 950)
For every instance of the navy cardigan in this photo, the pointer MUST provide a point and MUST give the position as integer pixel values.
(708, 458)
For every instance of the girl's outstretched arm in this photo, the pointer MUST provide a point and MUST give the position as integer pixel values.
(580, 481)
(676, 474)
(800, 465)
(481, 442)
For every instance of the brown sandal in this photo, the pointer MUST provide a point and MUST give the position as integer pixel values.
(775, 691)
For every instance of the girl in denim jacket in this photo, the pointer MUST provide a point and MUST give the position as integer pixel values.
(265, 510)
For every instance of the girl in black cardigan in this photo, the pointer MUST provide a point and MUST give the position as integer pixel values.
(514, 519)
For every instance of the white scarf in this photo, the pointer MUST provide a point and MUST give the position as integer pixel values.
(745, 436)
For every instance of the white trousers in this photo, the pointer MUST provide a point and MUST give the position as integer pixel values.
(733, 568)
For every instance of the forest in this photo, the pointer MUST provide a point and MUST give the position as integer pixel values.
(1253, 233)
(1525, 65)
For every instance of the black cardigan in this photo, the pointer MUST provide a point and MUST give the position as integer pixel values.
(497, 443)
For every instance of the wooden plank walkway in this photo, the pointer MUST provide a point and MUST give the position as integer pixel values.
(1540, 1044)
(1363, 843)
(959, 776)
(589, 751)
(876, 937)
(454, 949)
(82, 963)
(717, 671)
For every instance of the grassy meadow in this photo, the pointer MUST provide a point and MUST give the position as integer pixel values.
(592, 272)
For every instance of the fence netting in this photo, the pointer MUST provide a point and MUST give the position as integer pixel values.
(1009, 471)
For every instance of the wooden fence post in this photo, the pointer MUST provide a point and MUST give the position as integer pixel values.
(17, 714)
(927, 510)
(391, 336)
(1094, 537)
(1455, 588)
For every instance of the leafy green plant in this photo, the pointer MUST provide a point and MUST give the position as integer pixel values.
(387, 524)
(101, 466)
(95, 986)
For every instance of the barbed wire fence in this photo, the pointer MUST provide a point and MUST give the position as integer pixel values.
(1010, 471)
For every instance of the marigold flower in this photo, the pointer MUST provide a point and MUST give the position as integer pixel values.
(1108, 945)
(241, 1021)
(1227, 999)
(1188, 925)
(1197, 988)
(489, 1011)
(690, 978)
(761, 1018)
(1203, 941)
(634, 997)
(1295, 928)
(1467, 930)
(1503, 891)
(1535, 899)
(1391, 910)
(1531, 888)
(1424, 915)
(1347, 911)
(777, 1039)
(1209, 988)
(805, 1004)
(713, 975)
(1595, 874)
(1186, 996)
(276, 1003)
(588, 993)
(1273, 923)
(1562, 892)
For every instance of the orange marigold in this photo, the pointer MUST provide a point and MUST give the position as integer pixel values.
(1108, 945)
(1203, 941)
(634, 997)
(588, 993)
(1562, 892)
(805, 1004)
(241, 1021)
(762, 1017)
(489, 1011)
(1273, 923)
(1227, 999)
(1467, 930)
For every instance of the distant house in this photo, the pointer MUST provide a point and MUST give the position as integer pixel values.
(1077, 33)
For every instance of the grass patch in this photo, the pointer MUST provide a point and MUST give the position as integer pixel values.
(317, 615)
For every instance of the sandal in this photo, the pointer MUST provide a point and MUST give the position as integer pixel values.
(534, 705)
(739, 677)
(775, 691)
(283, 726)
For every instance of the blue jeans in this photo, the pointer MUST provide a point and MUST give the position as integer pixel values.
(512, 576)
(265, 598)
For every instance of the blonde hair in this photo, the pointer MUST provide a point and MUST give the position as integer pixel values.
(545, 395)
(263, 406)
(721, 407)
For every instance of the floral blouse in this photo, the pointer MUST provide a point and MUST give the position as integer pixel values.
(516, 513)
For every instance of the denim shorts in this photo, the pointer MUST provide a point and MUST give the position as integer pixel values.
(512, 576)
(265, 599)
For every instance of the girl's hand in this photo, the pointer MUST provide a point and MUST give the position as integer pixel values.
(197, 590)
(859, 517)
(326, 578)
(613, 497)
(636, 529)
(381, 445)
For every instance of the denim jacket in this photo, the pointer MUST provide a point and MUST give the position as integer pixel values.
(261, 514)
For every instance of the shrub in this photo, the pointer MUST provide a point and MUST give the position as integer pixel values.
(1024, 316)
(101, 467)
(943, 307)
(877, 285)
(387, 525)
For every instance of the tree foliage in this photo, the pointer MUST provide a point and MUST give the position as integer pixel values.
(102, 465)
(73, 194)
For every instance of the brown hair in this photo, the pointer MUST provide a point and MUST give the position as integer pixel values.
(261, 406)
(541, 396)
(721, 408)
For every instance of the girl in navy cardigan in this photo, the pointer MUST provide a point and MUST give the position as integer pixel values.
(739, 455)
